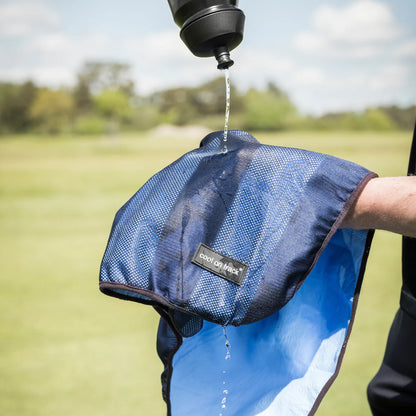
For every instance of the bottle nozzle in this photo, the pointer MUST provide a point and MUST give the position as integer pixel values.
(210, 27)
(222, 55)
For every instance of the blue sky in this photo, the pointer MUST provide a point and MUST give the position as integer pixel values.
(329, 55)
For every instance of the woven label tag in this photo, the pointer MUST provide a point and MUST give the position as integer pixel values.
(219, 264)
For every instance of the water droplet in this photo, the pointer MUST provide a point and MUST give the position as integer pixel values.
(227, 344)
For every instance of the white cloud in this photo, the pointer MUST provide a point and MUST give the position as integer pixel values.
(361, 21)
(19, 19)
(54, 76)
(407, 49)
(386, 79)
(158, 60)
(390, 78)
(50, 43)
(68, 48)
(363, 57)
(309, 76)
(164, 46)
(161, 60)
(255, 67)
(361, 29)
(355, 90)
(52, 58)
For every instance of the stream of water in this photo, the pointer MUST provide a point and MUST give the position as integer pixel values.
(224, 374)
(227, 109)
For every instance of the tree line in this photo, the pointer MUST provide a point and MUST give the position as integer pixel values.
(103, 99)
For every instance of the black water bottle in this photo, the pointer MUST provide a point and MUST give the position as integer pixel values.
(210, 27)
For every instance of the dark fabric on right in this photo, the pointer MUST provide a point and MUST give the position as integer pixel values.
(392, 392)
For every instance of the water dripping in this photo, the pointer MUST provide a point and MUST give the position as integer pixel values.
(223, 401)
(227, 109)
(224, 372)
(227, 343)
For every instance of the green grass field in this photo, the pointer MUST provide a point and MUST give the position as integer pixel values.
(66, 349)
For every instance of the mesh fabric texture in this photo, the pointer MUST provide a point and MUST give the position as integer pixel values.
(266, 206)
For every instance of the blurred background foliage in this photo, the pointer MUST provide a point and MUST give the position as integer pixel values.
(103, 100)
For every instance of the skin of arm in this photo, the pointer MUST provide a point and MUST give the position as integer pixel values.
(387, 204)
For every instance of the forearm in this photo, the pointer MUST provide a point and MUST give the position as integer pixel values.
(386, 204)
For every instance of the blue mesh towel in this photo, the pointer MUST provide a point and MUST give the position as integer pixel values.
(247, 239)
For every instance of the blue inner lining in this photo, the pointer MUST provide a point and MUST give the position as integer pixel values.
(281, 362)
